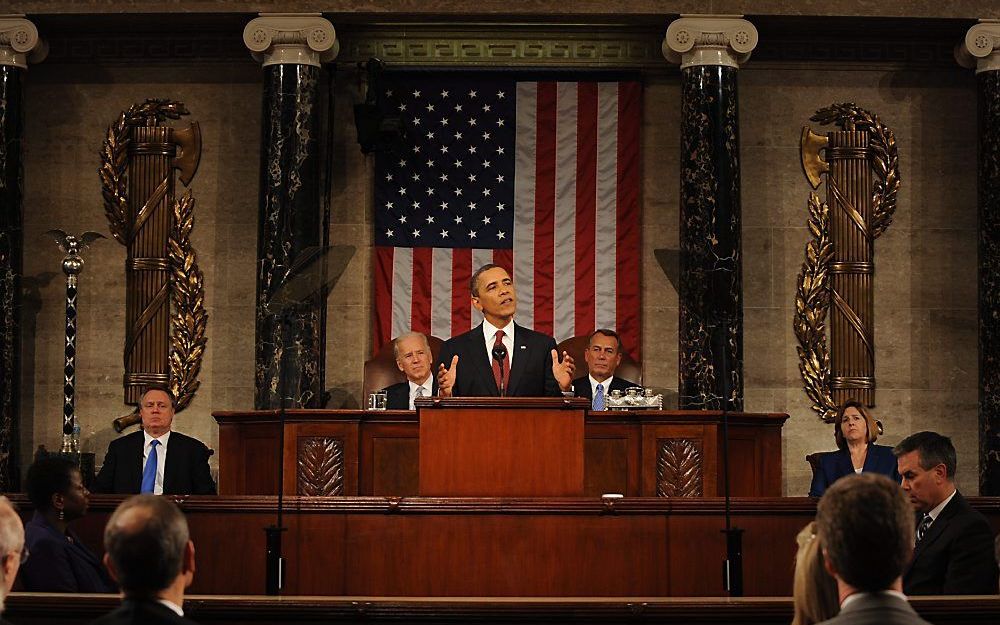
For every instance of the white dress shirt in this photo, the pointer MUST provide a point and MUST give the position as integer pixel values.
(427, 386)
(933, 514)
(490, 334)
(173, 606)
(161, 458)
(606, 385)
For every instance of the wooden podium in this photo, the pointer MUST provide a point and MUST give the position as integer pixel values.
(501, 446)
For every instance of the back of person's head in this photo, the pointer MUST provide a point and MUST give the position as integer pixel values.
(933, 449)
(814, 592)
(11, 546)
(49, 475)
(865, 524)
(145, 540)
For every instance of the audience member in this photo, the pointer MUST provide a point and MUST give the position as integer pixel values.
(954, 543)
(866, 529)
(603, 355)
(59, 561)
(413, 357)
(855, 431)
(814, 592)
(12, 551)
(156, 459)
(149, 552)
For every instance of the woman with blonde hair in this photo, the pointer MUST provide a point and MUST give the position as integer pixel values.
(855, 431)
(814, 593)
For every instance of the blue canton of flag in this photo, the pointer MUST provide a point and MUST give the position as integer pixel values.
(452, 184)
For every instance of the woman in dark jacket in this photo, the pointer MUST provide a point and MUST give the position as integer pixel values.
(59, 562)
(855, 431)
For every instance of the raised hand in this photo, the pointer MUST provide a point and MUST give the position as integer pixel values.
(563, 371)
(446, 377)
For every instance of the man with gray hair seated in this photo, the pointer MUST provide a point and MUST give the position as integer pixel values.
(12, 551)
(413, 357)
(150, 554)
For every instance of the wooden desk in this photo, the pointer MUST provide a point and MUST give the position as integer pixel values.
(637, 454)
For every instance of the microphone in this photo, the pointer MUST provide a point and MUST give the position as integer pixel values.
(499, 355)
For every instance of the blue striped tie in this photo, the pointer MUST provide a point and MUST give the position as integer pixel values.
(599, 398)
(149, 472)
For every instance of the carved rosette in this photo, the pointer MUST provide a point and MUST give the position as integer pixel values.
(291, 38)
(20, 43)
(725, 40)
(319, 466)
(981, 47)
(679, 468)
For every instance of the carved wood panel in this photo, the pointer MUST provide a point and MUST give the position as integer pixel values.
(319, 466)
(679, 468)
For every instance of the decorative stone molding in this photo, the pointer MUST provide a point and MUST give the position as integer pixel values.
(19, 42)
(709, 40)
(981, 47)
(291, 38)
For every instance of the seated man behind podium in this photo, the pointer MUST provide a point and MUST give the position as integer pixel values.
(149, 551)
(413, 357)
(603, 355)
(499, 357)
(155, 459)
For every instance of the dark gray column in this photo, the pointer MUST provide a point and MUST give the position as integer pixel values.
(18, 37)
(978, 51)
(289, 317)
(710, 289)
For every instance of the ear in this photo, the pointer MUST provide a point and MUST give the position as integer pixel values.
(58, 501)
(827, 565)
(399, 365)
(940, 473)
(10, 564)
(189, 565)
(475, 302)
(108, 564)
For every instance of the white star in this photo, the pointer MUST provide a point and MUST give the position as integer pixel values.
(458, 163)
(416, 205)
(402, 107)
(388, 205)
(402, 190)
(500, 178)
(444, 234)
(458, 135)
(430, 135)
(472, 206)
(500, 206)
(444, 94)
(486, 108)
(486, 164)
(388, 93)
(472, 234)
(416, 93)
(486, 219)
(486, 192)
(472, 149)
(500, 122)
(444, 177)
(501, 95)
(416, 121)
(458, 108)
(430, 219)
(402, 162)
(444, 121)
(472, 93)
(500, 235)
(458, 192)
(430, 163)
(444, 149)
(444, 206)
(430, 191)
(430, 107)
(402, 219)
(416, 149)
(472, 177)
(389, 233)
(486, 136)
(388, 177)
(416, 233)
(472, 121)
(500, 150)
(416, 177)
(458, 219)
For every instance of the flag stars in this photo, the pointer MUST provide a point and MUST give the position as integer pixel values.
(416, 177)
(500, 234)
(389, 205)
(458, 163)
(388, 93)
(430, 134)
(458, 219)
(472, 206)
(389, 233)
(472, 177)
(444, 93)
(472, 121)
(472, 93)
(444, 121)
(416, 233)
(444, 177)
(430, 191)
(500, 122)
(402, 162)
(430, 219)
(486, 136)
(458, 136)
(472, 234)
(486, 108)
(500, 178)
(402, 219)
(402, 190)
(486, 219)
(444, 234)
(416, 149)
(472, 149)
(500, 150)
(430, 163)
(388, 177)
(444, 149)
(444, 206)
(430, 108)
(416, 206)
(486, 192)
(486, 164)
(501, 95)
(501, 206)
(416, 93)
(402, 107)
(416, 121)
(458, 192)
(458, 108)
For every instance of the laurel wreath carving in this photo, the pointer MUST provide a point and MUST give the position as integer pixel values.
(812, 296)
(188, 317)
(320, 467)
(678, 468)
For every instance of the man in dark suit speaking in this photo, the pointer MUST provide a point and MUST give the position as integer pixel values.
(499, 357)
(603, 355)
(953, 554)
(155, 459)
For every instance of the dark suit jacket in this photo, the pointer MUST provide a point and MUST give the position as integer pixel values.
(59, 565)
(834, 465)
(530, 366)
(142, 612)
(186, 473)
(398, 395)
(877, 609)
(955, 556)
(581, 386)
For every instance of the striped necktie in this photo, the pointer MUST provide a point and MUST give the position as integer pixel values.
(599, 398)
(925, 524)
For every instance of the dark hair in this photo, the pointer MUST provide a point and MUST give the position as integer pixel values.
(147, 546)
(933, 449)
(474, 280)
(49, 475)
(163, 388)
(870, 424)
(606, 332)
(866, 525)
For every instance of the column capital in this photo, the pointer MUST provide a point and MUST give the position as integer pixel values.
(709, 40)
(19, 42)
(980, 50)
(291, 38)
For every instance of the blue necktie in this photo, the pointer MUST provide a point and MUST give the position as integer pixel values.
(599, 398)
(149, 471)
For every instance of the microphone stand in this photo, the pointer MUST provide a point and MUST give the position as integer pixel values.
(732, 567)
(499, 353)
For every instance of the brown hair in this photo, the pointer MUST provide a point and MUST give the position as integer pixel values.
(870, 423)
(814, 592)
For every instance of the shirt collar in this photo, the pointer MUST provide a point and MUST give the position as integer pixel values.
(178, 610)
(933, 514)
(146, 438)
(606, 383)
(490, 330)
(426, 384)
(849, 599)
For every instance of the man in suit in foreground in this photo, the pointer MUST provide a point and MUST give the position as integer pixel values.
(954, 543)
(865, 528)
(413, 357)
(150, 554)
(11, 548)
(499, 357)
(155, 459)
(603, 355)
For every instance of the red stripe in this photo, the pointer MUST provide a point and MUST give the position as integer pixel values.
(628, 248)
(504, 258)
(586, 205)
(545, 205)
(461, 305)
(420, 311)
(383, 297)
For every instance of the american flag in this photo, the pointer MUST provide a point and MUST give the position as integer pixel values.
(541, 178)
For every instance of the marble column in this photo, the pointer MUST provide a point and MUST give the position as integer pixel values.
(289, 315)
(18, 40)
(710, 50)
(981, 50)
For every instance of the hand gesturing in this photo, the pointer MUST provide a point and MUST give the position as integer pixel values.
(446, 377)
(563, 371)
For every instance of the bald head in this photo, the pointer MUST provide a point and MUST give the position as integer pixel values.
(145, 540)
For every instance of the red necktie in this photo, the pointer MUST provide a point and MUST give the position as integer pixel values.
(500, 371)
